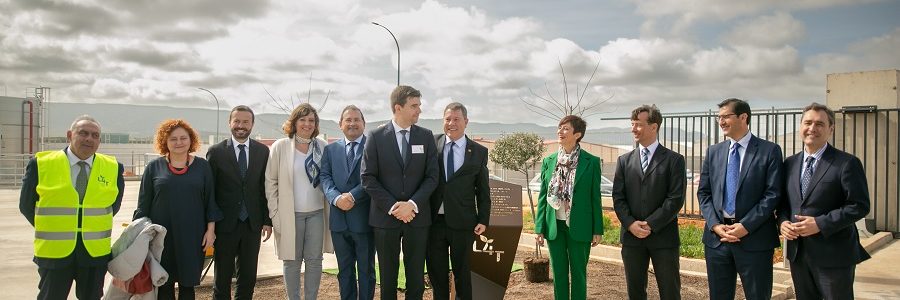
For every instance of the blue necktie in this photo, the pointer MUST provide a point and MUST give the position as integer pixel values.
(806, 176)
(450, 164)
(351, 155)
(732, 174)
(242, 167)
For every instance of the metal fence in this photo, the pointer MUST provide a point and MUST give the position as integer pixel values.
(865, 131)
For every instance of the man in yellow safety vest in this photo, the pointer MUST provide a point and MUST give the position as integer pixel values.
(70, 197)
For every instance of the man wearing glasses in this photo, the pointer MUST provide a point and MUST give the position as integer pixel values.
(740, 186)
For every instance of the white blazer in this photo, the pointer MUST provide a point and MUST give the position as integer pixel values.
(280, 196)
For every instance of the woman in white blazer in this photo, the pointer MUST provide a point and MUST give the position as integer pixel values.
(296, 202)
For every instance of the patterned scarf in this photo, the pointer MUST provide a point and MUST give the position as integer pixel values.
(312, 160)
(563, 181)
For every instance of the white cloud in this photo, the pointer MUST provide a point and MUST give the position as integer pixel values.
(775, 30)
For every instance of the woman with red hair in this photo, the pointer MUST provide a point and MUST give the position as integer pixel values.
(177, 193)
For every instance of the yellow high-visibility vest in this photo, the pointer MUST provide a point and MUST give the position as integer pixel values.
(57, 210)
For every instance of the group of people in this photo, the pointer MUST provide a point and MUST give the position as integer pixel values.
(400, 188)
(749, 196)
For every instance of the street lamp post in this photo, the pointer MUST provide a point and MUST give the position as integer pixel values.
(398, 50)
(217, 113)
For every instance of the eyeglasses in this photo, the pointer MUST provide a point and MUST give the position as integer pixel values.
(725, 116)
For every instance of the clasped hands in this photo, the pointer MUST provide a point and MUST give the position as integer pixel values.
(730, 233)
(805, 226)
(345, 202)
(640, 229)
(403, 211)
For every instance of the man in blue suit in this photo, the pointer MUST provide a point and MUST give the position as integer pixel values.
(349, 222)
(740, 186)
(825, 194)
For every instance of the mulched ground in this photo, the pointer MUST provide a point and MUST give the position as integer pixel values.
(605, 281)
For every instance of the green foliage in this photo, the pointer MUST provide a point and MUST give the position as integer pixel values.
(691, 241)
(518, 151)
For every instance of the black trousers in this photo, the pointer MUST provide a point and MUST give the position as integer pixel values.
(815, 282)
(237, 249)
(440, 238)
(388, 244)
(57, 282)
(665, 266)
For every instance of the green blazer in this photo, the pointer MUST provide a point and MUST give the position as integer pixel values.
(586, 218)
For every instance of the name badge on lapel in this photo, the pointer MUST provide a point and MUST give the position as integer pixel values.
(418, 149)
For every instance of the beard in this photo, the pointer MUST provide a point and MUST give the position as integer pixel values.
(240, 133)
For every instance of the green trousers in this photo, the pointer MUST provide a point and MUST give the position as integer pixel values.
(568, 255)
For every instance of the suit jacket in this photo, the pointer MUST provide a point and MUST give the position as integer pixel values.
(837, 197)
(654, 196)
(466, 196)
(231, 189)
(28, 198)
(758, 193)
(339, 178)
(388, 180)
(586, 217)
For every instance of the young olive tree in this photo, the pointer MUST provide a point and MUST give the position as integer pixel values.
(520, 152)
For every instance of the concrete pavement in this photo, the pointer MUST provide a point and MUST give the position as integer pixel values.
(875, 279)
(19, 278)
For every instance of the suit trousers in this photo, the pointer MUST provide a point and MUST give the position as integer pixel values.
(440, 238)
(815, 282)
(57, 282)
(725, 262)
(665, 267)
(239, 249)
(355, 253)
(568, 255)
(388, 244)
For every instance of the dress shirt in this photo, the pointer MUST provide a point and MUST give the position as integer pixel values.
(817, 156)
(73, 165)
(237, 150)
(744, 141)
(459, 157)
(652, 149)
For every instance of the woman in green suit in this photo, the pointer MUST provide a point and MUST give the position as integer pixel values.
(569, 215)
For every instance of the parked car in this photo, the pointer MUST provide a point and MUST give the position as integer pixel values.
(606, 185)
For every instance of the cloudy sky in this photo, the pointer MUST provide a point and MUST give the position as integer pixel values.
(681, 55)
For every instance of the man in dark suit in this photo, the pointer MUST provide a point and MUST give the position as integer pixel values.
(648, 192)
(740, 186)
(65, 190)
(460, 206)
(238, 165)
(349, 218)
(826, 193)
(399, 171)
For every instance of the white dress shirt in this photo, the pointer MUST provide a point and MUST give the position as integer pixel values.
(459, 157)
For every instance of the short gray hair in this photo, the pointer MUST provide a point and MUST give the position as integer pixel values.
(83, 118)
(458, 106)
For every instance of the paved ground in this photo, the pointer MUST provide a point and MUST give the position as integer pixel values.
(876, 278)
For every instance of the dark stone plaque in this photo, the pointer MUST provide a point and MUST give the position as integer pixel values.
(493, 252)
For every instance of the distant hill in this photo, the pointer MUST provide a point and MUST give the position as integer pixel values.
(141, 121)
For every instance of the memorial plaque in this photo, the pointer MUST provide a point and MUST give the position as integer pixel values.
(494, 251)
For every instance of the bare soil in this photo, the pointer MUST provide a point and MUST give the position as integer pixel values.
(605, 281)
